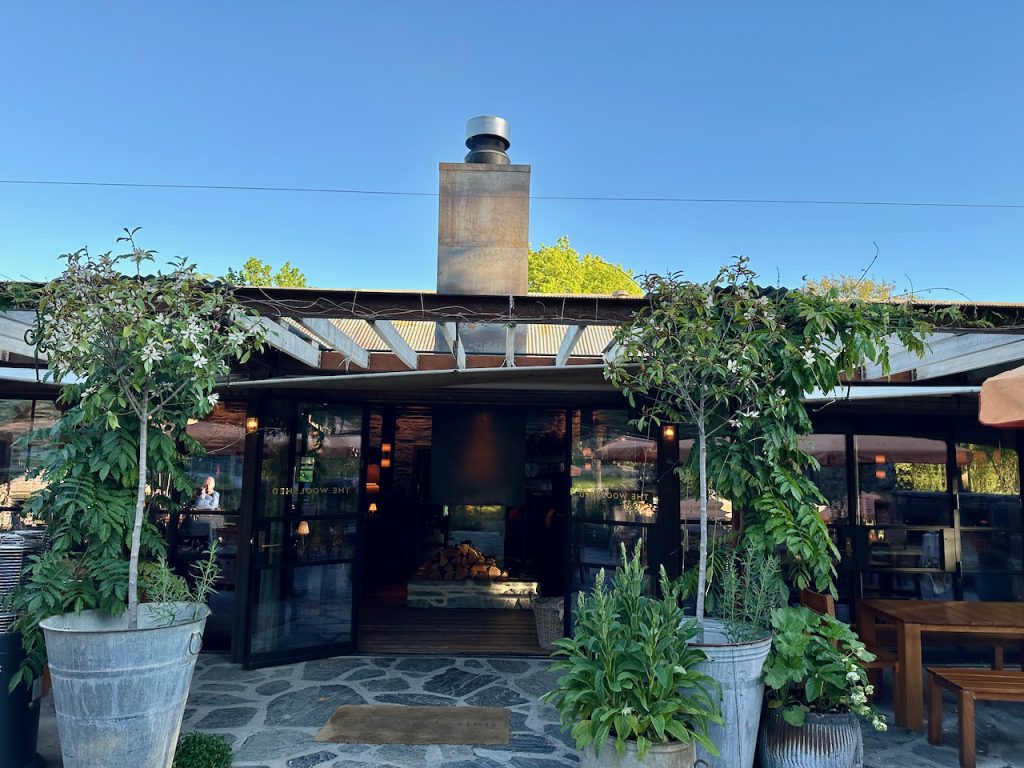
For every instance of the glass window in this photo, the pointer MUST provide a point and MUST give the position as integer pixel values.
(999, 587)
(902, 481)
(830, 451)
(915, 586)
(613, 491)
(302, 608)
(719, 513)
(990, 487)
(902, 548)
(18, 458)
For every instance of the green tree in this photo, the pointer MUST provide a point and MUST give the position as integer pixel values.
(850, 287)
(560, 268)
(732, 361)
(257, 272)
(150, 350)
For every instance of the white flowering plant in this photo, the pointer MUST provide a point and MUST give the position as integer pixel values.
(730, 361)
(817, 665)
(138, 356)
(630, 672)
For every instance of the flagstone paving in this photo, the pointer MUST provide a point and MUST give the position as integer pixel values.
(270, 716)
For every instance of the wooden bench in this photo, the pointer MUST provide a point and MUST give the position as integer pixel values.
(970, 685)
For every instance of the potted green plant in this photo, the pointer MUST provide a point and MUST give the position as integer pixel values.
(631, 692)
(139, 356)
(731, 361)
(817, 691)
(746, 587)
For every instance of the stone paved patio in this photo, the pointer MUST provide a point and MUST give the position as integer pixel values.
(271, 715)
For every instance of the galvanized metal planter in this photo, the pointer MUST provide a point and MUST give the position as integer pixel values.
(824, 741)
(737, 667)
(676, 755)
(120, 693)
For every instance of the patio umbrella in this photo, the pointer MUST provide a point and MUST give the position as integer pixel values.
(1002, 400)
(628, 448)
(218, 438)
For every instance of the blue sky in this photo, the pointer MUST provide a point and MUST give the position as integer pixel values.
(913, 101)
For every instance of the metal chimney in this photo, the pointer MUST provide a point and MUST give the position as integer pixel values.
(487, 137)
(483, 226)
(483, 222)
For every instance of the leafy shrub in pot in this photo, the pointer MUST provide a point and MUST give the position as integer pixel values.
(629, 671)
(816, 665)
(816, 684)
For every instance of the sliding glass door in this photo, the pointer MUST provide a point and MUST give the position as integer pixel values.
(306, 528)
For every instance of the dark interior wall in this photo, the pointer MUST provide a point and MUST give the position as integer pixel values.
(477, 455)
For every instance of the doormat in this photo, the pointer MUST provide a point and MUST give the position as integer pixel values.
(402, 724)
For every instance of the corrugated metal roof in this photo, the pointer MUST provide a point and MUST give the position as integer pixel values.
(542, 340)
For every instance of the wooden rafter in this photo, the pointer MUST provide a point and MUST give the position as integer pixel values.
(572, 336)
(280, 338)
(450, 332)
(510, 345)
(949, 354)
(387, 333)
(337, 339)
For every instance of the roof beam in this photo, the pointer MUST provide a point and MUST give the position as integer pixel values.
(434, 307)
(951, 353)
(387, 333)
(613, 352)
(450, 332)
(510, 345)
(337, 339)
(283, 340)
(569, 341)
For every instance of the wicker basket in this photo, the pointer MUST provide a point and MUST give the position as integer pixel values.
(549, 612)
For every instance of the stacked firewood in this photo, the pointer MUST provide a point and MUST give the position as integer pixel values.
(459, 563)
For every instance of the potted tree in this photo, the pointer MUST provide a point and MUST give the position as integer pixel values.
(817, 690)
(139, 357)
(632, 694)
(746, 587)
(731, 361)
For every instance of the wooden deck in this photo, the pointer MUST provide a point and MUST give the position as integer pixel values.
(386, 625)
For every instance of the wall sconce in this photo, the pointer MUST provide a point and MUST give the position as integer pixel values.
(372, 478)
(669, 432)
(252, 424)
(385, 455)
(373, 507)
(303, 528)
(880, 470)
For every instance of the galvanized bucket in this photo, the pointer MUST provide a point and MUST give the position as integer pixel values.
(674, 755)
(120, 693)
(737, 667)
(823, 741)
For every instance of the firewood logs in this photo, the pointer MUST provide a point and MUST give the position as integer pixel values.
(459, 563)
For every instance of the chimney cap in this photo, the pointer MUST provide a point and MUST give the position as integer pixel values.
(488, 125)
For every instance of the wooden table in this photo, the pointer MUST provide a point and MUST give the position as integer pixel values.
(934, 617)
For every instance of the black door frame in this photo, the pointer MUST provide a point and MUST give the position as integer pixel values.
(251, 568)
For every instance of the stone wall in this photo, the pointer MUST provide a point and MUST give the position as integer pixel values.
(427, 593)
